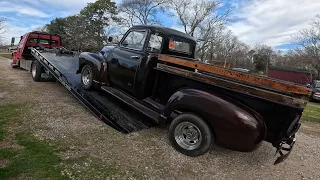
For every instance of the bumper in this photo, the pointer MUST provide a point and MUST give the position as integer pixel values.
(285, 145)
(11, 63)
(316, 97)
(284, 149)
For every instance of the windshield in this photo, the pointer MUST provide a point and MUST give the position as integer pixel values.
(317, 85)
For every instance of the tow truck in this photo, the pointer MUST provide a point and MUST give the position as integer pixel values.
(153, 72)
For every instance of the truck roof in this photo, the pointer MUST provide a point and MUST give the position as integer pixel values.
(165, 30)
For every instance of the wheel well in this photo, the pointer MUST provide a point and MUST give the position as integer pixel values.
(83, 64)
(177, 112)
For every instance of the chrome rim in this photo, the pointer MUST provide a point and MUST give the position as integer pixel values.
(188, 135)
(86, 76)
(34, 70)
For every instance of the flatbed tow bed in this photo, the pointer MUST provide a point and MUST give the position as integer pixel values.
(114, 113)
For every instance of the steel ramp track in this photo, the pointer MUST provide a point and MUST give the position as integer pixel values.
(153, 115)
(107, 108)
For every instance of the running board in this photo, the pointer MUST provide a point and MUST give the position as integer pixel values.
(153, 115)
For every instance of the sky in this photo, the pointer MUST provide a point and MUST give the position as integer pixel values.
(270, 22)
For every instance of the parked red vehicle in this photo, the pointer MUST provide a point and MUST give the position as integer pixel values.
(22, 56)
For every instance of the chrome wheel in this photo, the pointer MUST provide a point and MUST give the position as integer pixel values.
(34, 70)
(187, 135)
(86, 76)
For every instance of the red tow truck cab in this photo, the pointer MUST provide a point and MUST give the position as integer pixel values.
(22, 56)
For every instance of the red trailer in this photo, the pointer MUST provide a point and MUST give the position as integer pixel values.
(299, 76)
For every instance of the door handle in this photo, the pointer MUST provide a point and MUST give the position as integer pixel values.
(134, 57)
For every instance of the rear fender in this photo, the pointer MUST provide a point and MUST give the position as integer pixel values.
(233, 127)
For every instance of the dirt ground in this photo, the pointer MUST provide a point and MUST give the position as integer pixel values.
(92, 148)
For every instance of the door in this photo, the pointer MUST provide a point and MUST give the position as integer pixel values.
(126, 59)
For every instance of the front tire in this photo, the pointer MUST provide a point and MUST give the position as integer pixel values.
(191, 135)
(87, 77)
(36, 71)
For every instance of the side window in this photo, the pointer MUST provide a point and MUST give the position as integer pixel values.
(155, 42)
(135, 40)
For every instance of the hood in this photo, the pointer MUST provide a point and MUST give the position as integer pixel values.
(107, 48)
(316, 89)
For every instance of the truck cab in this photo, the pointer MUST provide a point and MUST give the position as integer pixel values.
(22, 56)
(130, 60)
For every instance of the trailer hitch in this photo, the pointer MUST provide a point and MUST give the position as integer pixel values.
(285, 146)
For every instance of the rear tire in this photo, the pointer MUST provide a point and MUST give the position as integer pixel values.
(191, 135)
(36, 71)
(87, 77)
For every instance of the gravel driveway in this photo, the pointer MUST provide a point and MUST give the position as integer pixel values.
(92, 147)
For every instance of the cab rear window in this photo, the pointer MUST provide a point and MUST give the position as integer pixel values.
(175, 44)
(43, 41)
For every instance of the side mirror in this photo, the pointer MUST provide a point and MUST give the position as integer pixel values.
(110, 39)
(308, 85)
(12, 41)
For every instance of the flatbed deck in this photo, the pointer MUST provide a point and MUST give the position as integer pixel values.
(114, 113)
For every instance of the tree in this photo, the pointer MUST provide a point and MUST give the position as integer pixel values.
(87, 30)
(309, 41)
(2, 28)
(141, 11)
(98, 16)
(40, 29)
(261, 57)
(192, 14)
(201, 20)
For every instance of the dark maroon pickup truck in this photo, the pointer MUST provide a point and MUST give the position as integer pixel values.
(154, 70)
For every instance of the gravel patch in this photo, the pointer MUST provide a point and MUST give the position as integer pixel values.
(92, 147)
(4, 163)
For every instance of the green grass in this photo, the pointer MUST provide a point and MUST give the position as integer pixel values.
(8, 56)
(7, 113)
(37, 160)
(312, 112)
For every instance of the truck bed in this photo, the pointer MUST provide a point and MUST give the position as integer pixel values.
(106, 108)
(266, 83)
(281, 92)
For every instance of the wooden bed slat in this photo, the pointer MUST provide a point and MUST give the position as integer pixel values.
(270, 83)
(238, 87)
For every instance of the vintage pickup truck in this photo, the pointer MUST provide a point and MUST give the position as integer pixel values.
(154, 69)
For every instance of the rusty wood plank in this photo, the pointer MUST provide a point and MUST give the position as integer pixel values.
(238, 87)
(256, 80)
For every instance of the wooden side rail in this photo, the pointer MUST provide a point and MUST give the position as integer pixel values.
(287, 87)
(237, 87)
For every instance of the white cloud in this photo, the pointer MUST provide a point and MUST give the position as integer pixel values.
(272, 22)
(14, 31)
(6, 7)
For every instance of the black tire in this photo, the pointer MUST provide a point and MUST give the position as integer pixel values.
(88, 84)
(36, 69)
(206, 134)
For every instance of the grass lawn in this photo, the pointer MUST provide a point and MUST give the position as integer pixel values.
(8, 56)
(312, 112)
(35, 159)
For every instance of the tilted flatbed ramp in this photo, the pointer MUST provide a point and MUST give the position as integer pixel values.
(108, 109)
